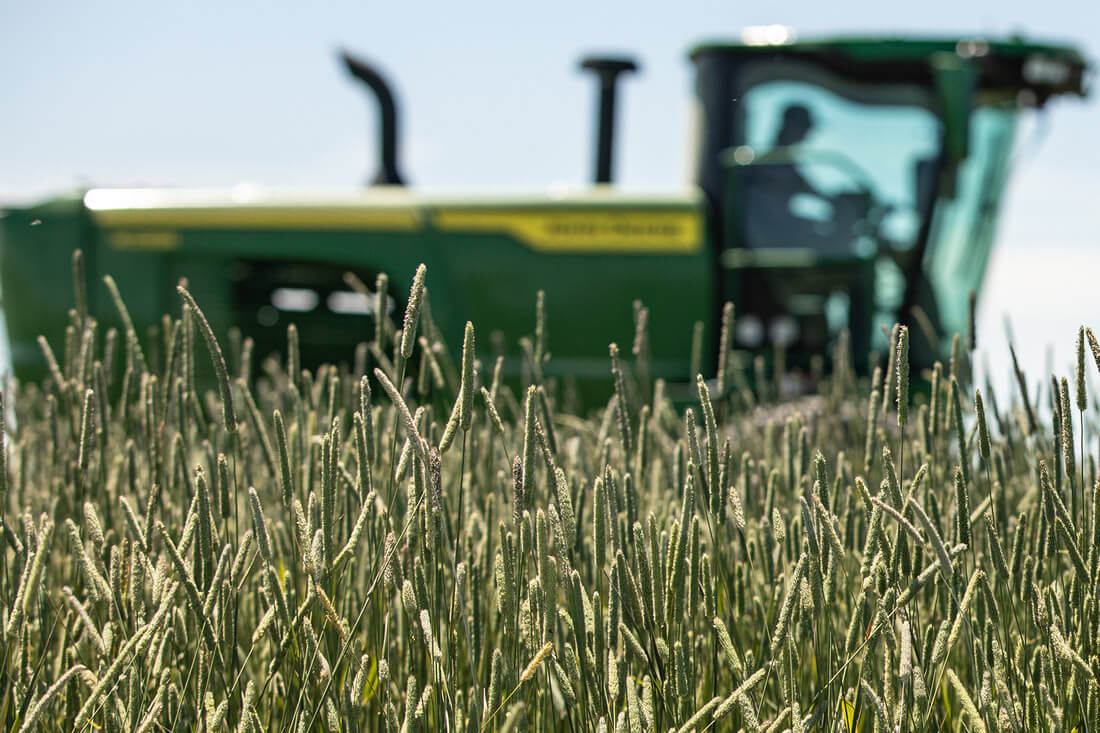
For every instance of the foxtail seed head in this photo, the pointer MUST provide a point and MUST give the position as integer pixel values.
(466, 390)
(962, 508)
(412, 312)
(902, 367)
(1067, 431)
(1082, 397)
(536, 661)
(984, 446)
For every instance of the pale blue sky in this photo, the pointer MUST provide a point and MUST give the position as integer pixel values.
(215, 93)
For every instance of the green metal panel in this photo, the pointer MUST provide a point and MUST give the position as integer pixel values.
(593, 254)
(36, 246)
(590, 289)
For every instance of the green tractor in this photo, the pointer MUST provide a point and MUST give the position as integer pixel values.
(840, 185)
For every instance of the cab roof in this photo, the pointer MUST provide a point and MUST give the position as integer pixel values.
(1046, 69)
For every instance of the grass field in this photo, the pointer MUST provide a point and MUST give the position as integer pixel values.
(328, 551)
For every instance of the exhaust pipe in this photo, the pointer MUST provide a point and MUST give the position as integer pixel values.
(364, 72)
(607, 71)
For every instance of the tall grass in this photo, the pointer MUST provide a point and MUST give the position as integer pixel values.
(372, 547)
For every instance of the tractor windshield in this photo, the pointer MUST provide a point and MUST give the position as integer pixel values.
(851, 170)
(828, 183)
(833, 167)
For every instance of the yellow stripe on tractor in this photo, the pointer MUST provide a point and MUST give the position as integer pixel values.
(312, 218)
(649, 232)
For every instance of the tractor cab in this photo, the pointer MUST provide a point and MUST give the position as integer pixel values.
(853, 183)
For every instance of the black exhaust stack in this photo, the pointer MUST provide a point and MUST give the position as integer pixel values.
(607, 71)
(364, 72)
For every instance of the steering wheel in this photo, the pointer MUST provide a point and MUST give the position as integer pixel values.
(856, 210)
(877, 209)
(798, 154)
